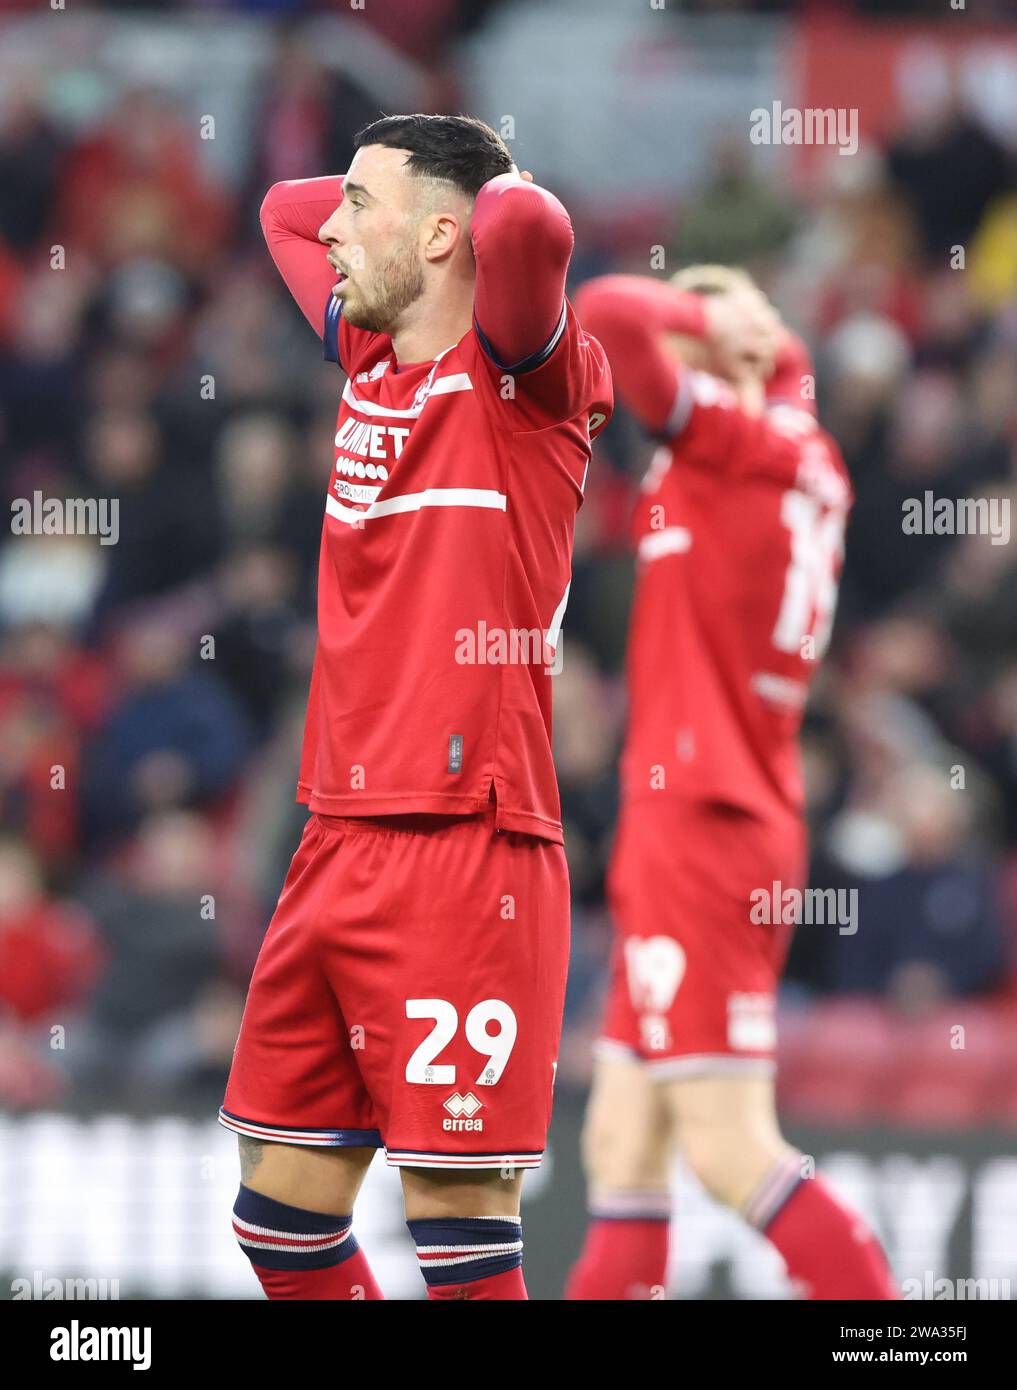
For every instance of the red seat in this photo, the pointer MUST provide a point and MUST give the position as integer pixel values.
(855, 1061)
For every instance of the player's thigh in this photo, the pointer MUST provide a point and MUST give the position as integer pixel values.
(727, 1129)
(627, 1133)
(314, 1179)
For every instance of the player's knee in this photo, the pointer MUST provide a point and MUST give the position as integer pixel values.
(729, 1161)
(316, 1179)
(435, 1193)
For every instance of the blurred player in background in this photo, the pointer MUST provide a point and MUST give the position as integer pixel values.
(739, 533)
(409, 991)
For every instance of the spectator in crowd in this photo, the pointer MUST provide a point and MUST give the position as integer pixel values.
(162, 1011)
(50, 958)
(929, 918)
(174, 736)
(53, 694)
(949, 168)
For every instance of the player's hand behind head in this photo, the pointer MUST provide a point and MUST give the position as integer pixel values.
(743, 333)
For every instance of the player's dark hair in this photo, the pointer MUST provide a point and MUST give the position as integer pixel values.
(459, 149)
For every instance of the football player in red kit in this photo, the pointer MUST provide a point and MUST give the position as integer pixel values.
(739, 539)
(409, 991)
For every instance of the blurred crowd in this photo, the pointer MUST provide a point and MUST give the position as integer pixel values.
(152, 691)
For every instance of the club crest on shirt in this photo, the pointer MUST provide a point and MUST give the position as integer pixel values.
(423, 391)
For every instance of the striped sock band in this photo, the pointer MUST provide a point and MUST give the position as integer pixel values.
(774, 1191)
(460, 1250)
(276, 1236)
(630, 1204)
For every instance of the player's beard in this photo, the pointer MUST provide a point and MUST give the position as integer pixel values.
(401, 283)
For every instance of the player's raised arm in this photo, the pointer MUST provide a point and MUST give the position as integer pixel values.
(291, 216)
(522, 242)
(631, 316)
(792, 373)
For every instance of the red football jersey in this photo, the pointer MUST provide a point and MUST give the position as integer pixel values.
(444, 572)
(739, 532)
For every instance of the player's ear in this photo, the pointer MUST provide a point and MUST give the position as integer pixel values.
(441, 234)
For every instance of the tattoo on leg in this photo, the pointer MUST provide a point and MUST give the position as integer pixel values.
(250, 1156)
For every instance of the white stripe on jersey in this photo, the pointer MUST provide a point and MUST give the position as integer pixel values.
(554, 631)
(684, 400)
(444, 386)
(697, 387)
(673, 540)
(414, 501)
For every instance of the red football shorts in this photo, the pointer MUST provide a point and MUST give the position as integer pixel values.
(700, 935)
(409, 994)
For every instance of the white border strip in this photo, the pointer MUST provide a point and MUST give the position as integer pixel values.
(328, 1140)
(397, 1158)
(661, 1068)
(719, 1062)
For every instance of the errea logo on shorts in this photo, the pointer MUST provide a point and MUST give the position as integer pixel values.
(462, 1109)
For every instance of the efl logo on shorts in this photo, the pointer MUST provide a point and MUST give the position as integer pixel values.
(462, 1109)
